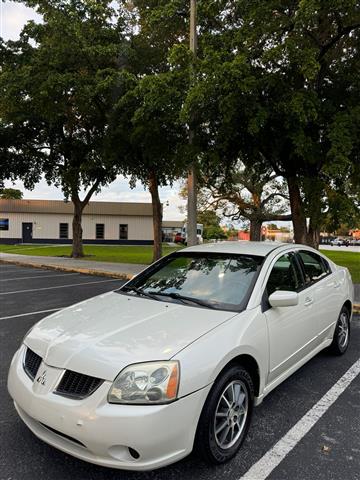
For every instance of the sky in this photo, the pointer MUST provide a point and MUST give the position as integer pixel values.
(13, 16)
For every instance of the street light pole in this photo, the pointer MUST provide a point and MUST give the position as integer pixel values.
(192, 180)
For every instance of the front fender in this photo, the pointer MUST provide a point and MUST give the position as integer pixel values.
(202, 361)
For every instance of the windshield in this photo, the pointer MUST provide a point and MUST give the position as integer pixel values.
(219, 281)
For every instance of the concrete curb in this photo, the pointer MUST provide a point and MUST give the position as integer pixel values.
(86, 271)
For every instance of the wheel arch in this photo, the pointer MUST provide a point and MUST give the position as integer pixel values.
(250, 364)
(349, 306)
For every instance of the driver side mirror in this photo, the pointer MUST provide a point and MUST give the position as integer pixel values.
(282, 298)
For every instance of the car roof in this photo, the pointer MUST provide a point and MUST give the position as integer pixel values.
(243, 247)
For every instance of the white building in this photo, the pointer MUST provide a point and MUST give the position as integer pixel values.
(170, 228)
(50, 221)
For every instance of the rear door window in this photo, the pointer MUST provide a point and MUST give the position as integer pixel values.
(313, 267)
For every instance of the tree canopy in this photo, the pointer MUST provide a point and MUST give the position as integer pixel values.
(58, 84)
(280, 80)
(102, 87)
(11, 194)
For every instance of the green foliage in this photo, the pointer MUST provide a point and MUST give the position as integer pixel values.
(209, 218)
(211, 223)
(145, 129)
(279, 79)
(213, 232)
(57, 87)
(102, 87)
(11, 194)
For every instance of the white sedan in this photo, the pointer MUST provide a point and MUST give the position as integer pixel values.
(177, 358)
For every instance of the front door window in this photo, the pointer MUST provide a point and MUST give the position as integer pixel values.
(285, 275)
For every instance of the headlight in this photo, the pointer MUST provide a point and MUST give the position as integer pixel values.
(146, 383)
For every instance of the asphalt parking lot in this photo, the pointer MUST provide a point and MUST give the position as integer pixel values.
(329, 450)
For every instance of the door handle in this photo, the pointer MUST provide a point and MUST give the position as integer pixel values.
(308, 301)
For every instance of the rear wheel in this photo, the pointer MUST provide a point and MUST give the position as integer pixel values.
(226, 416)
(341, 338)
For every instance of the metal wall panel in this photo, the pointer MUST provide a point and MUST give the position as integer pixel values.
(46, 226)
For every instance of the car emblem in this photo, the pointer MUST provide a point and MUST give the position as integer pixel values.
(42, 378)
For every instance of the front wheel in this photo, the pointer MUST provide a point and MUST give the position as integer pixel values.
(226, 416)
(341, 338)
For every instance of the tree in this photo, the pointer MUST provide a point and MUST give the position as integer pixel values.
(17, 151)
(280, 79)
(59, 81)
(211, 223)
(252, 192)
(147, 135)
(11, 194)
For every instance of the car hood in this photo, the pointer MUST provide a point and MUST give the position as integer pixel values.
(104, 334)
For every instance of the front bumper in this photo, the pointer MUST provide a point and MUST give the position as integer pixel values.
(98, 432)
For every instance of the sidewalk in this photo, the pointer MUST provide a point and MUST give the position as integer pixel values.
(117, 270)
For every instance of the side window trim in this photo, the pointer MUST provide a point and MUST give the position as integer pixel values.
(327, 266)
(302, 269)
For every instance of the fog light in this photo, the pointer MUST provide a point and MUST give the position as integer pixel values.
(123, 453)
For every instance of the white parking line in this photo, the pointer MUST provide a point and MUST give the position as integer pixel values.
(262, 469)
(60, 286)
(37, 276)
(32, 313)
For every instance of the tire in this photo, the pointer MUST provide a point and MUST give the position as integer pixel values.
(236, 383)
(341, 338)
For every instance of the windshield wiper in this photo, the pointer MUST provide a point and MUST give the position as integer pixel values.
(139, 291)
(184, 299)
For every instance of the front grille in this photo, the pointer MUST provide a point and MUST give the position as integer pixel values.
(76, 385)
(32, 363)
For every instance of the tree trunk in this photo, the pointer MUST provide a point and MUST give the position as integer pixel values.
(79, 205)
(314, 192)
(255, 230)
(77, 245)
(157, 216)
(313, 236)
(297, 211)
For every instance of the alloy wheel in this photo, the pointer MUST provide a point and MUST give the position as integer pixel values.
(343, 330)
(230, 414)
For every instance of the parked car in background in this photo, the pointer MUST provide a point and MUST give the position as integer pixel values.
(199, 233)
(181, 237)
(178, 357)
(339, 242)
(355, 242)
(178, 238)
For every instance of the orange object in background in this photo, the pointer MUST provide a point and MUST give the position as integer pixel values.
(242, 235)
(355, 234)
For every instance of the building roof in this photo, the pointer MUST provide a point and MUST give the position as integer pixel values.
(240, 247)
(173, 224)
(93, 208)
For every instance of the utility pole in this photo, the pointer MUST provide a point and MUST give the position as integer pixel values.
(192, 180)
